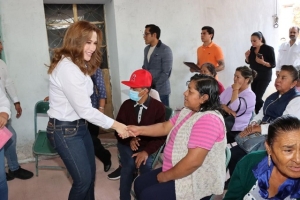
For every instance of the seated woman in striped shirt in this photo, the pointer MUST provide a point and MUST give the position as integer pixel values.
(194, 157)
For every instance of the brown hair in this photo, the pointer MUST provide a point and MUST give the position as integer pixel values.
(74, 40)
(247, 72)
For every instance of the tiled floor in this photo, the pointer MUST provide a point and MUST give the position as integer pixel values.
(54, 184)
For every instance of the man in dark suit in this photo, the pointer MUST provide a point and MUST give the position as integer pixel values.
(158, 60)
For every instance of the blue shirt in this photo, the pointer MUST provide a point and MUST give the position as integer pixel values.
(99, 88)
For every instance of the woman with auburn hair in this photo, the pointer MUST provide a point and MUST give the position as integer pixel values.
(70, 89)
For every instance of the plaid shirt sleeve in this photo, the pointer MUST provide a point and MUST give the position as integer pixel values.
(100, 86)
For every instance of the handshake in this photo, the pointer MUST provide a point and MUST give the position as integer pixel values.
(127, 131)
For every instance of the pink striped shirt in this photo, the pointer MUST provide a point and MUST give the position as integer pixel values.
(205, 133)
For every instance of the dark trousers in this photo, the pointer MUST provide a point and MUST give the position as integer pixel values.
(259, 87)
(146, 187)
(164, 99)
(100, 152)
(236, 155)
(231, 135)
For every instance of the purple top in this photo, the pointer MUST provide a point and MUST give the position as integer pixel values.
(242, 121)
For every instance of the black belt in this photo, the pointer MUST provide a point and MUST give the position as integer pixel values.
(58, 122)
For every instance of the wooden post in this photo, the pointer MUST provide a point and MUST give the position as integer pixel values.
(75, 12)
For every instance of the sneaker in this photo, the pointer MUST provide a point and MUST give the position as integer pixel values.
(115, 175)
(21, 174)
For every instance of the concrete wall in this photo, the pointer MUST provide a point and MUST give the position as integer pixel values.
(26, 51)
(181, 22)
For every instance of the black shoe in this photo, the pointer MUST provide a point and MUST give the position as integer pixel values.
(8, 177)
(107, 166)
(21, 174)
(107, 161)
(115, 175)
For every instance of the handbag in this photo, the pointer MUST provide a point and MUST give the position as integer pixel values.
(252, 142)
(5, 135)
(229, 119)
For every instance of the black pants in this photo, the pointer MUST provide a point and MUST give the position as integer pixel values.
(100, 152)
(231, 135)
(259, 87)
(236, 155)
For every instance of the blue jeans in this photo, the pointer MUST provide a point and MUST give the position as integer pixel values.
(3, 183)
(73, 143)
(164, 99)
(128, 169)
(10, 149)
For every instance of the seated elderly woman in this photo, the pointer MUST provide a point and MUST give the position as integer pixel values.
(194, 155)
(210, 70)
(284, 101)
(274, 174)
(239, 100)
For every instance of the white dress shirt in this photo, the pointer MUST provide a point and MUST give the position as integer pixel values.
(69, 95)
(288, 55)
(4, 103)
(7, 85)
(293, 108)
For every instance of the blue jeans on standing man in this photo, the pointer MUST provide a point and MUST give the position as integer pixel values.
(73, 143)
(10, 149)
(129, 168)
(3, 183)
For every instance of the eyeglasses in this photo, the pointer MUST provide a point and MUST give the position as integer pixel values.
(145, 34)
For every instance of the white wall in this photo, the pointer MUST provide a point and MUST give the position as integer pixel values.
(180, 23)
(26, 49)
(26, 52)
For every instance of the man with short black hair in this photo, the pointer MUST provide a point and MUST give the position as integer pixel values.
(158, 60)
(289, 52)
(209, 52)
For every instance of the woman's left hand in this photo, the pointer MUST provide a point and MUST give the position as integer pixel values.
(260, 60)
(250, 129)
(161, 177)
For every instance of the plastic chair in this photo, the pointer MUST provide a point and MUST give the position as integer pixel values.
(41, 145)
(228, 157)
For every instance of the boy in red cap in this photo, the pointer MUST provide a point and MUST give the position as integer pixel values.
(141, 110)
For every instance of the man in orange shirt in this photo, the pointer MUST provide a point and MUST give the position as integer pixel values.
(209, 52)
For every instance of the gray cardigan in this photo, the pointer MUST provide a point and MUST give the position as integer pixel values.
(160, 67)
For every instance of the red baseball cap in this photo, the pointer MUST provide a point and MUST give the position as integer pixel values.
(139, 78)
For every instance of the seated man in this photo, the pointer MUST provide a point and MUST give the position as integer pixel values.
(140, 109)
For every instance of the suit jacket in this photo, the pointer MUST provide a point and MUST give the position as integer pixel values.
(160, 67)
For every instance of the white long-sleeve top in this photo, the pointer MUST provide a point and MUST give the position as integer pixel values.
(7, 85)
(4, 102)
(293, 108)
(288, 55)
(69, 95)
